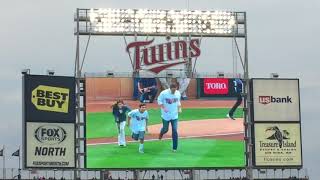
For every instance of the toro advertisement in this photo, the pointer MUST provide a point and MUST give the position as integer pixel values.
(220, 87)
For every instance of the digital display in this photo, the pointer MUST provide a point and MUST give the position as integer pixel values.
(205, 136)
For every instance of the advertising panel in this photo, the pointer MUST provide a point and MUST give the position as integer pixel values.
(49, 98)
(205, 136)
(216, 86)
(277, 144)
(48, 121)
(219, 87)
(50, 145)
(276, 99)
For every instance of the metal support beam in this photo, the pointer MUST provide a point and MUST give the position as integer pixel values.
(79, 109)
(247, 106)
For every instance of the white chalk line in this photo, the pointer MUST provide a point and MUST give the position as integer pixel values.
(184, 137)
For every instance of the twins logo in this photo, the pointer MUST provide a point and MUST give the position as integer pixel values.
(140, 118)
(156, 58)
(170, 101)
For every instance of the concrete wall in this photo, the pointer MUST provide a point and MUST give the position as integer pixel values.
(113, 88)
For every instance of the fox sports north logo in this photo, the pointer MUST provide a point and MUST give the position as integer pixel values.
(50, 134)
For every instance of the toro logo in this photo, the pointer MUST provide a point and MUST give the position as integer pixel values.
(270, 99)
(48, 98)
(50, 134)
(216, 86)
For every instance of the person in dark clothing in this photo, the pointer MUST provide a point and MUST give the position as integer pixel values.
(238, 88)
(119, 110)
(148, 89)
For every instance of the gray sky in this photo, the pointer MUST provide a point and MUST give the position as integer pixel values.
(282, 37)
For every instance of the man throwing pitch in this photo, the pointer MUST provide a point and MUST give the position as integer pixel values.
(169, 101)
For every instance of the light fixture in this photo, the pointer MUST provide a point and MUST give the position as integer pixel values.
(110, 73)
(274, 75)
(50, 72)
(173, 21)
(220, 74)
(25, 71)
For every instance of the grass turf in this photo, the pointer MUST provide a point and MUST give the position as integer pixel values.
(102, 124)
(191, 153)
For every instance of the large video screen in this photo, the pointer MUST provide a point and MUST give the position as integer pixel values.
(201, 137)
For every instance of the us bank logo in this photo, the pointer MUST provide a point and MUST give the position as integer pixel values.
(274, 100)
(50, 98)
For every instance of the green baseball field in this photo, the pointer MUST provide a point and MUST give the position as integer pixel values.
(206, 139)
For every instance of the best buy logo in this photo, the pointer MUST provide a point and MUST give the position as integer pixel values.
(49, 98)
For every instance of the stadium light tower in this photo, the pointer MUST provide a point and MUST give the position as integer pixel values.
(142, 22)
(166, 23)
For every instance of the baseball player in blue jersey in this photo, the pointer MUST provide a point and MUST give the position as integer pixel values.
(169, 101)
(138, 122)
(119, 111)
(238, 87)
